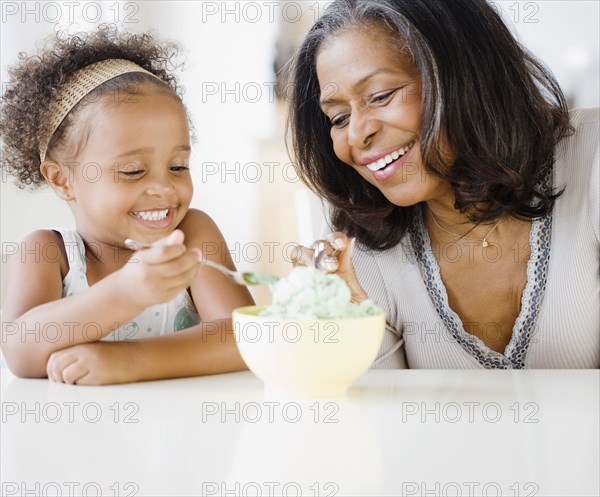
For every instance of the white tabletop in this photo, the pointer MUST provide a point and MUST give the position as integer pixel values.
(409, 433)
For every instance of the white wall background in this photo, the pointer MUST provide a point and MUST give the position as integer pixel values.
(221, 56)
(228, 76)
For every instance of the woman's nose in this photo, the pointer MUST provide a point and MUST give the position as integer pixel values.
(361, 129)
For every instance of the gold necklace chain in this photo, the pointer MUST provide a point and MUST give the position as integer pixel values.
(484, 242)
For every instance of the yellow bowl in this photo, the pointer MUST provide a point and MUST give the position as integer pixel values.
(307, 357)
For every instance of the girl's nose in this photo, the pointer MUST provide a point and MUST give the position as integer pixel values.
(161, 186)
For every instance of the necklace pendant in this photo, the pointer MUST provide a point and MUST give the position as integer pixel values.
(484, 243)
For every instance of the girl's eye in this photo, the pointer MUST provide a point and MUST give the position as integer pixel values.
(134, 173)
(179, 169)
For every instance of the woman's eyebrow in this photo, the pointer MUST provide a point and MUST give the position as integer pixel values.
(356, 85)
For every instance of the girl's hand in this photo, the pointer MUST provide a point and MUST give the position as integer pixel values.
(157, 274)
(340, 264)
(97, 363)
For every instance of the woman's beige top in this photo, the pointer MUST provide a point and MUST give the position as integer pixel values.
(559, 322)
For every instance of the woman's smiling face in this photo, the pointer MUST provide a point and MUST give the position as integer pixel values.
(371, 94)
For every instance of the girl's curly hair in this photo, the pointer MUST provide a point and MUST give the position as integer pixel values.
(35, 80)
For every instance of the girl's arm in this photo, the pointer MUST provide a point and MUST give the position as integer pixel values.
(207, 348)
(37, 321)
(214, 294)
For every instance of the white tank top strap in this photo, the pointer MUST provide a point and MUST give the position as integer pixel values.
(161, 319)
(74, 248)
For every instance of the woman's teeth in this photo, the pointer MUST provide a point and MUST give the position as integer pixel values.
(389, 158)
(152, 215)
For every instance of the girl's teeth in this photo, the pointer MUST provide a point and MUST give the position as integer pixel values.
(389, 158)
(152, 215)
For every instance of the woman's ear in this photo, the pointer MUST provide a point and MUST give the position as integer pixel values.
(58, 178)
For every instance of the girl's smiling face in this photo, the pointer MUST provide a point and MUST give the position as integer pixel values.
(371, 94)
(131, 176)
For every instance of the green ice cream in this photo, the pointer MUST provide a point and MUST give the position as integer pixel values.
(308, 293)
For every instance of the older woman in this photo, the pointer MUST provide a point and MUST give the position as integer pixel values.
(447, 151)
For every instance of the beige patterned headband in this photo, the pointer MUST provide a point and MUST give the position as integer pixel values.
(81, 83)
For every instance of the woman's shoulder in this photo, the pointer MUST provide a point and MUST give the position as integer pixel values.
(390, 263)
(583, 142)
(578, 166)
(577, 153)
(584, 115)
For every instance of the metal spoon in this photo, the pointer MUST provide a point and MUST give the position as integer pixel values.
(240, 277)
(323, 250)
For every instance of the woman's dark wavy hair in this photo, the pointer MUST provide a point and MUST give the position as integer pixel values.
(35, 80)
(500, 108)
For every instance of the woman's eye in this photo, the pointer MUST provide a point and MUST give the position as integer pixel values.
(382, 97)
(179, 169)
(339, 121)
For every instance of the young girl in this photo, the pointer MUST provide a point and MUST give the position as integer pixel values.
(98, 118)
